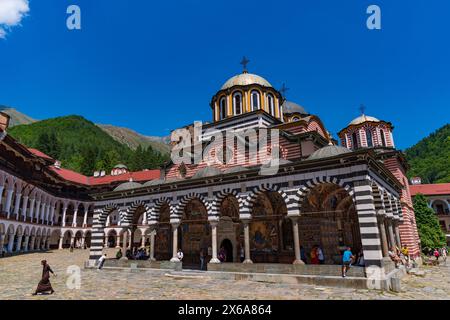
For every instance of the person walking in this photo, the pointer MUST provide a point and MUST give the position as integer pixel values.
(45, 285)
(101, 261)
(242, 254)
(313, 254)
(303, 255)
(180, 255)
(436, 254)
(320, 255)
(347, 259)
(119, 254)
(444, 255)
(202, 259)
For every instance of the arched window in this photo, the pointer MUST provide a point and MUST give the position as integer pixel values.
(383, 138)
(354, 140)
(270, 104)
(223, 108)
(255, 100)
(369, 138)
(237, 103)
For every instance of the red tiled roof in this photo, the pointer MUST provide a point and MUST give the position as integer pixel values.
(137, 176)
(70, 175)
(430, 189)
(39, 154)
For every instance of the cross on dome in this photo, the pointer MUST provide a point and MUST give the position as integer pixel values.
(283, 90)
(244, 63)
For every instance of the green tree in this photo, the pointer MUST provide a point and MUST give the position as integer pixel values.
(430, 232)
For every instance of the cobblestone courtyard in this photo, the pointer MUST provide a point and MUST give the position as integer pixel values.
(20, 275)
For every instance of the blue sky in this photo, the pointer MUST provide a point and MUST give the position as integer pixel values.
(154, 65)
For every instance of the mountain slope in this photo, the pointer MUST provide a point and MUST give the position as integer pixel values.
(133, 139)
(17, 117)
(430, 157)
(82, 146)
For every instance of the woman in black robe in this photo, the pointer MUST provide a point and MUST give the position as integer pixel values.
(45, 285)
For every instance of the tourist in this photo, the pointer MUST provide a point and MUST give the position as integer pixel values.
(242, 254)
(180, 255)
(405, 253)
(119, 254)
(71, 248)
(202, 259)
(314, 257)
(444, 254)
(221, 255)
(45, 285)
(320, 255)
(394, 257)
(347, 259)
(303, 255)
(436, 254)
(101, 261)
(360, 259)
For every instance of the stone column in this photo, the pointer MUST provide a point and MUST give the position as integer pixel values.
(32, 209)
(152, 245)
(32, 242)
(144, 219)
(74, 220)
(2, 239)
(391, 233)
(24, 207)
(42, 211)
(19, 243)
(124, 244)
(47, 214)
(1, 193)
(384, 242)
(298, 259)
(25, 248)
(17, 205)
(85, 218)
(9, 194)
(118, 241)
(214, 258)
(64, 215)
(48, 243)
(61, 239)
(143, 239)
(397, 234)
(247, 241)
(175, 242)
(130, 239)
(38, 208)
(11, 243)
(82, 241)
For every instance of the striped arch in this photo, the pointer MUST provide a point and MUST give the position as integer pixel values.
(219, 197)
(179, 208)
(246, 203)
(388, 205)
(127, 217)
(303, 190)
(377, 193)
(99, 223)
(156, 209)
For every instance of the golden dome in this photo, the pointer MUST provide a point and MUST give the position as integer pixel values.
(245, 79)
(363, 118)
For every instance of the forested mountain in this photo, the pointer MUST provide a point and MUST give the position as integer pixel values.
(16, 116)
(82, 146)
(430, 158)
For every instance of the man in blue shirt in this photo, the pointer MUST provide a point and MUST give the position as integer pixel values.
(347, 259)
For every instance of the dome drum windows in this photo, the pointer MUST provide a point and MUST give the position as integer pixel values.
(369, 137)
(223, 108)
(255, 100)
(271, 104)
(237, 103)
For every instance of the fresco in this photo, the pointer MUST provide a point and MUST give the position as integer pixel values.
(264, 236)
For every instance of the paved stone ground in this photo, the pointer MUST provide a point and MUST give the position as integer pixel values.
(20, 275)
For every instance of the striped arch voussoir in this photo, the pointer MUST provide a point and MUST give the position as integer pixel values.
(219, 197)
(178, 210)
(303, 190)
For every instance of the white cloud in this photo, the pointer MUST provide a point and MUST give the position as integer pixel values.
(11, 13)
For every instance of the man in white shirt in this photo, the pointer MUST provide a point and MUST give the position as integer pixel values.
(101, 261)
(180, 255)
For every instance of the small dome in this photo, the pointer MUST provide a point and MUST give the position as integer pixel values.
(120, 166)
(363, 118)
(328, 152)
(153, 182)
(245, 79)
(128, 186)
(291, 107)
(207, 172)
(235, 170)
